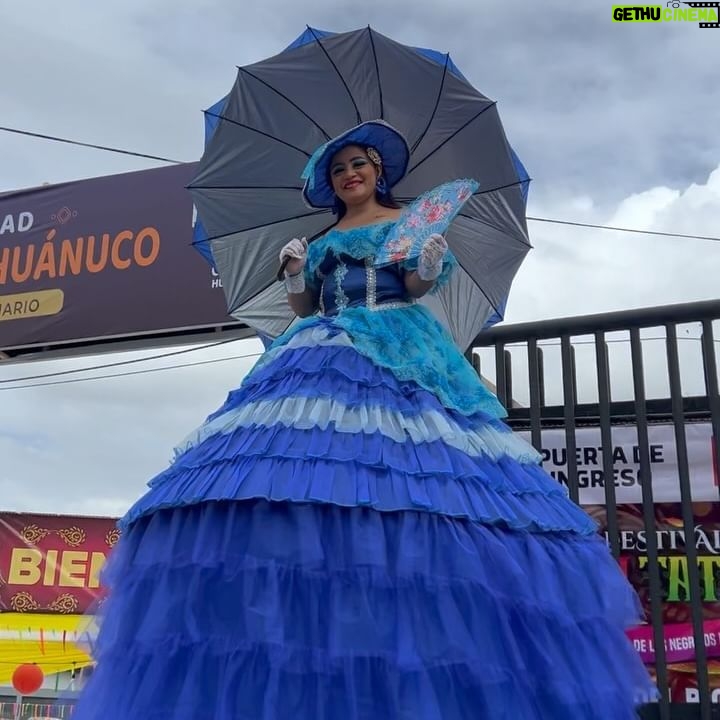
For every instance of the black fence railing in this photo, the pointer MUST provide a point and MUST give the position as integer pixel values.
(605, 389)
(35, 710)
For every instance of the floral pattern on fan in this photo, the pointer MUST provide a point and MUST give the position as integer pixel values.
(432, 212)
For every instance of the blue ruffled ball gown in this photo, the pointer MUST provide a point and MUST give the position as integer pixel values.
(356, 535)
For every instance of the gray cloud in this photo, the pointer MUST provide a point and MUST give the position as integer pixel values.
(91, 446)
(591, 105)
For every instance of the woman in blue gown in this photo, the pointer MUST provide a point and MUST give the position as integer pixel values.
(356, 534)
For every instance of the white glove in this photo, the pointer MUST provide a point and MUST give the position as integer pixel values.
(296, 252)
(431, 257)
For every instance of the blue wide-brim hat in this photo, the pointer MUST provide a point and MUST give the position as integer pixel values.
(390, 144)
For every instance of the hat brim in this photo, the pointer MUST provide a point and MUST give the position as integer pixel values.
(391, 145)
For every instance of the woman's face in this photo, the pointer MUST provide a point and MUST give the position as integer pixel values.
(353, 175)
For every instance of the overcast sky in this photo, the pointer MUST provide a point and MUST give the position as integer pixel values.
(617, 124)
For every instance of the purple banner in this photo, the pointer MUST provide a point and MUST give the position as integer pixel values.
(679, 641)
(109, 257)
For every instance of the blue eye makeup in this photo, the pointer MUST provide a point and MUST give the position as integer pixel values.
(355, 163)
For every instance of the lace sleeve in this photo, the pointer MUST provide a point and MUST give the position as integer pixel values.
(449, 265)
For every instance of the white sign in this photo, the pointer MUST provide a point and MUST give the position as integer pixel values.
(22, 222)
(626, 463)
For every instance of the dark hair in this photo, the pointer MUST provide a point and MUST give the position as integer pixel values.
(385, 199)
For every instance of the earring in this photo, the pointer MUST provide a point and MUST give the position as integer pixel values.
(381, 186)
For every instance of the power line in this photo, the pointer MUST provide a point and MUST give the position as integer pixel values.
(624, 229)
(553, 221)
(106, 148)
(121, 362)
(133, 372)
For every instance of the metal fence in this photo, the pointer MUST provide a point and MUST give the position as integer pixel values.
(518, 357)
(35, 710)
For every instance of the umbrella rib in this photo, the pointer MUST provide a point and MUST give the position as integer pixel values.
(437, 105)
(377, 73)
(287, 99)
(267, 287)
(259, 132)
(500, 187)
(408, 198)
(525, 246)
(497, 189)
(339, 74)
(263, 225)
(492, 304)
(242, 187)
(450, 137)
(259, 292)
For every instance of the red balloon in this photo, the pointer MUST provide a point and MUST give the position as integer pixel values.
(27, 679)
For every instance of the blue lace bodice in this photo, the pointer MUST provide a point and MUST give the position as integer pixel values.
(340, 269)
(349, 282)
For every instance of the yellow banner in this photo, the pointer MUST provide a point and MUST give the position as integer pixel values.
(56, 643)
(38, 303)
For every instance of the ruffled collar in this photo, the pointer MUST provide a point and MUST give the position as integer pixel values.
(358, 243)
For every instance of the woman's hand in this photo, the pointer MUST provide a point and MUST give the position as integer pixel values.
(431, 257)
(430, 263)
(296, 251)
(301, 299)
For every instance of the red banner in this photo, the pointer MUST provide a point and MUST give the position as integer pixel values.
(52, 563)
(683, 683)
(672, 543)
(672, 559)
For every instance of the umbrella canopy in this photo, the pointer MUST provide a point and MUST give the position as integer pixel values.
(248, 187)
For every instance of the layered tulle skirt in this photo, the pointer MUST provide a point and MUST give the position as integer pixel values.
(335, 543)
